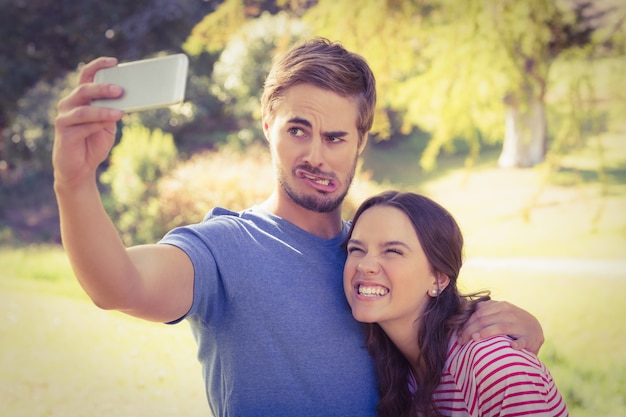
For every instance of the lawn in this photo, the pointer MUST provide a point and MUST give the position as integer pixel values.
(582, 315)
(61, 356)
(553, 243)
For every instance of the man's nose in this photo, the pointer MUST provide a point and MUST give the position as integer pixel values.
(314, 153)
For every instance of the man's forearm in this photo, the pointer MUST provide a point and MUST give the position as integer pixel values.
(94, 248)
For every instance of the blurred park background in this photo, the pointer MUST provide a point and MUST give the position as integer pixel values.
(510, 113)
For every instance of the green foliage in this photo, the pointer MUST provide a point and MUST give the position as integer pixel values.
(32, 130)
(233, 179)
(137, 163)
(383, 33)
(449, 66)
(228, 178)
(240, 72)
(247, 46)
(44, 40)
(213, 33)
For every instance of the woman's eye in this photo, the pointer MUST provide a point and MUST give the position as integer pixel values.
(394, 250)
(354, 249)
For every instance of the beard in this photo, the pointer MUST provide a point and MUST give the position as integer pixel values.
(320, 203)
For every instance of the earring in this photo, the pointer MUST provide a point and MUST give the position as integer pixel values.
(435, 292)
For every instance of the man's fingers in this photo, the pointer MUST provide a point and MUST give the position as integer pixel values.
(494, 318)
(519, 344)
(85, 93)
(489, 330)
(87, 114)
(89, 70)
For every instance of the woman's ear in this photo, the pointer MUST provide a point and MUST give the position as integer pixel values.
(440, 283)
(443, 280)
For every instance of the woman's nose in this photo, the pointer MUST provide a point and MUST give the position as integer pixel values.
(368, 265)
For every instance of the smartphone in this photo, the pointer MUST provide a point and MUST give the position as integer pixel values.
(148, 83)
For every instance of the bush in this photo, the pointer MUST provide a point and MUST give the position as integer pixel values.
(27, 142)
(228, 178)
(136, 164)
(234, 180)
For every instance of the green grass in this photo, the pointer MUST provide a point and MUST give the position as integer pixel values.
(61, 356)
(78, 360)
(582, 316)
(539, 212)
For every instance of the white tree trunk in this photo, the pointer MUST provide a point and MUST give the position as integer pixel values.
(525, 136)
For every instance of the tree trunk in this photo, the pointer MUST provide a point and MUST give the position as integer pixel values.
(525, 136)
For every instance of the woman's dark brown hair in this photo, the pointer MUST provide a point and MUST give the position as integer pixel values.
(442, 242)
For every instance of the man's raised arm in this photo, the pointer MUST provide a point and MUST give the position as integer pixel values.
(154, 282)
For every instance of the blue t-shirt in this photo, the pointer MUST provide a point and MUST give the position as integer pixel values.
(275, 334)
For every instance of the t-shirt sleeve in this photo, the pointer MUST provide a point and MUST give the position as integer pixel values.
(507, 382)
(207, 287)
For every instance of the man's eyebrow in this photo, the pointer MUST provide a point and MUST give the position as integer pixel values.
(300, 121)
(306, 123)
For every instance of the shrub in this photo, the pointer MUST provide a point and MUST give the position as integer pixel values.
(228, 178)
(234, 180)
(136, 164)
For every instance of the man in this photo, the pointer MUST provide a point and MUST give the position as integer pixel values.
(262, 289)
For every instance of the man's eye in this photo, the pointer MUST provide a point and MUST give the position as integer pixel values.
(334, 139)
(296, 131)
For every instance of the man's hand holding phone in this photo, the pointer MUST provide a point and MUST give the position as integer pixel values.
(84, 134)
(85, 125)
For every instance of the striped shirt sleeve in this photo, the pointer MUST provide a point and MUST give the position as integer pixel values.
(489, 378)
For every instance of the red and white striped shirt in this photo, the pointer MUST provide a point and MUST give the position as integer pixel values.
(489, 378)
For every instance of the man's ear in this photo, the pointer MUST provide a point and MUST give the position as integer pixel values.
(363, 143)
(266, 130)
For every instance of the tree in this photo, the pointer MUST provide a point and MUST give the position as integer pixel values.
(44, 40)
(559, 32)
(458, 70)
(476, 72)
(246, 35)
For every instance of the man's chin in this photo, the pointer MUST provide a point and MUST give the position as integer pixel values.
(320, 206)
(317, 204)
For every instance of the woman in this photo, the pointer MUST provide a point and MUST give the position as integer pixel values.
(400, 277)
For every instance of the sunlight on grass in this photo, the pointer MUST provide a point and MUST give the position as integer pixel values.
(47, 263)
(40, 268)
(64, 357)
(582, 317)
